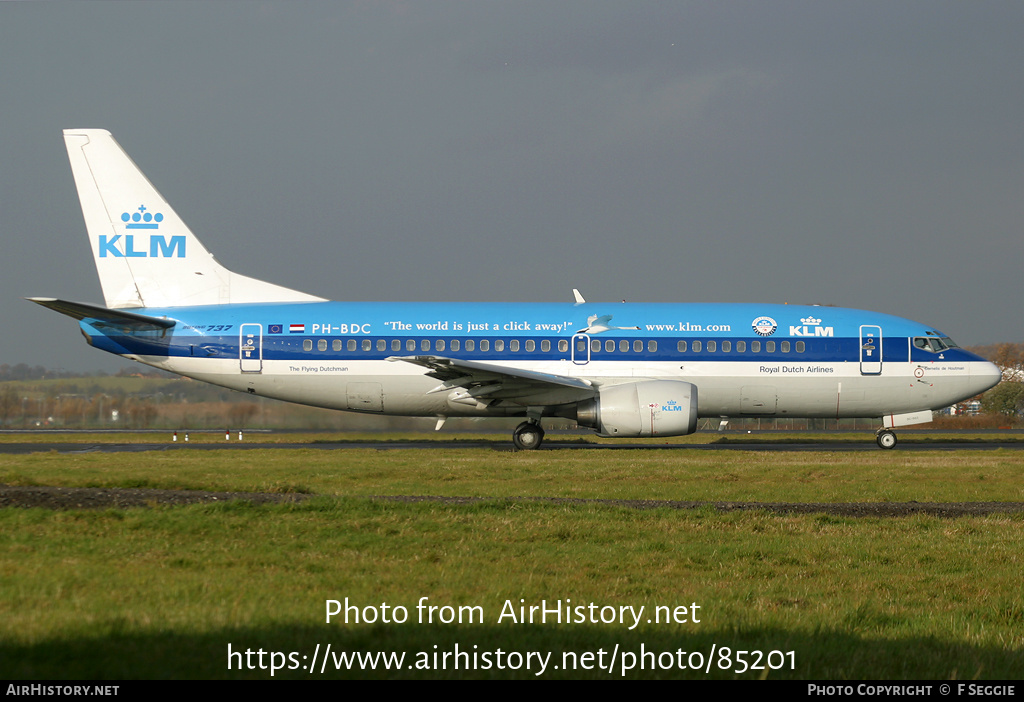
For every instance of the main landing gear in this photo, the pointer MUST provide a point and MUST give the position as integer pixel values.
(528, 436)
(885, 438)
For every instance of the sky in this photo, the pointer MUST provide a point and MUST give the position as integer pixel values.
(861, 154)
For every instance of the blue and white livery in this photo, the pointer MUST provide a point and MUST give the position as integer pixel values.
(624, 370)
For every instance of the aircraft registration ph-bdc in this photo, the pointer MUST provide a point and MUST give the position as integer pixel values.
(624, 370)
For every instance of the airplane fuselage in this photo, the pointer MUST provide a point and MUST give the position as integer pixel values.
(746, 359)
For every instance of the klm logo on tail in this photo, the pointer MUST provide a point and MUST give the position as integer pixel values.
(142, 219)
(159, 246)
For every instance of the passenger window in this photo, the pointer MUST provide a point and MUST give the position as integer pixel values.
(307, 345)
(336, 345)
(499, 345)
(785, 347)
(321, 345)
(696, 346)
(609, 345)
(485, 345)
(410, 345)
(681, 346)
(351, 344)
(530, 345)
(800, 346)
(581, 345)
(638, 346)
(470, 344)
(366, 345)
(726, 346)
(623, 346)
(712, 346)
(439, 345)
(563, 345)
(455, 344)
(652, 346)
(769, 346)
(396, 345)
(595, 345)
(425, 345)
(755, 347)
(741, 346)
(382, 345)
(513, 345)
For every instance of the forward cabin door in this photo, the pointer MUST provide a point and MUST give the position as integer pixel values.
(250, 348)
(870, 349)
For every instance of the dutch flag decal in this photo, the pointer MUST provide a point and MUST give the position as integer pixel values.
(297, 328)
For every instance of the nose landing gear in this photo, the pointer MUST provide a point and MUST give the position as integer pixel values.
(885, 438)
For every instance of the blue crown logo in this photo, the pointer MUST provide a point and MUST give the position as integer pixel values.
(142, 219)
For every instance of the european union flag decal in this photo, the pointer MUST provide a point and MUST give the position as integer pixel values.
(275, 329)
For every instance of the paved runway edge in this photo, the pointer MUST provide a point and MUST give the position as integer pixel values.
(837, 446)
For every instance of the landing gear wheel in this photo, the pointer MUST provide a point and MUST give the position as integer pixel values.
(528, 436)
(886, 439)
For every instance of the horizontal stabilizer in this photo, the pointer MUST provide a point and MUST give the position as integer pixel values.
(103, 317)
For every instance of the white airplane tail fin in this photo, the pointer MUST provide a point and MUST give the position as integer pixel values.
(144, 253)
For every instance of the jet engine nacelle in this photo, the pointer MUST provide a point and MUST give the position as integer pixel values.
(645, 408)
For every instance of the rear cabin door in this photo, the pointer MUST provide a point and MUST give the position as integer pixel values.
(250, 348)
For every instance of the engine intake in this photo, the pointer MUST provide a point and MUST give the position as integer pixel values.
(646, 408)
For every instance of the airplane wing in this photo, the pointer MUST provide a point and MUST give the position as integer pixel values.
(103, 317)
(485, 381)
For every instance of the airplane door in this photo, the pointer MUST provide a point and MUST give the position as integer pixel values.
(365, 397)
(870, 350)
(758, 399)
(250, 348)
(580, 349)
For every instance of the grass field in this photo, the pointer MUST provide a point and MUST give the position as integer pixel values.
(163, 592)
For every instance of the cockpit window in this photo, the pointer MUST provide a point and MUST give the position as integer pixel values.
(934, 344)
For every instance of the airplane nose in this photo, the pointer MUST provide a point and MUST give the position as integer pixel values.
(984, 376)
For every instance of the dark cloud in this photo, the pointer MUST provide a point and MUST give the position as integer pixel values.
(862, 154)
